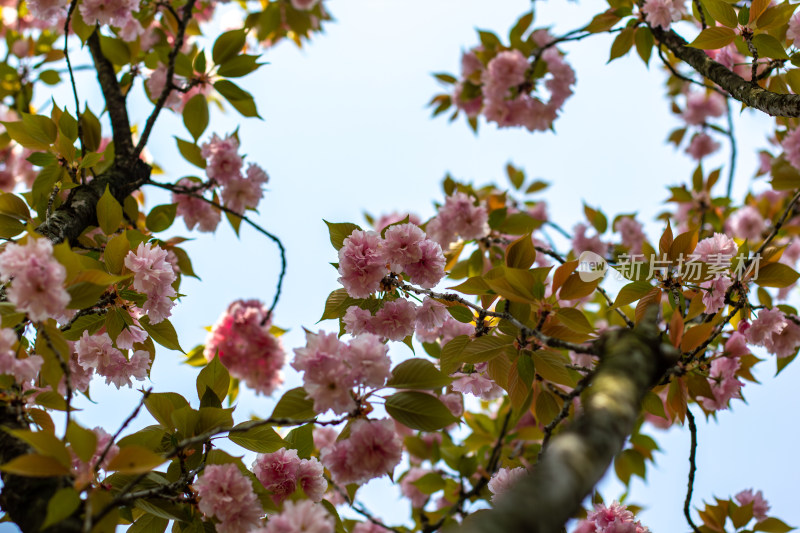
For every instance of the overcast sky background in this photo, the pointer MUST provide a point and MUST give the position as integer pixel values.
(346, 130)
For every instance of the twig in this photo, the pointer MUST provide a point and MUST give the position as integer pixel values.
(732, 138)
(574, 393)
(169, 84)
(272, 237)
(692, 470)
(491, 468)
(67, 374)
(525, 331)
(98, 308)
(778, 225)
(699, 8)
(127, 421)
(683, 77)
(72, 5)
(359, 508)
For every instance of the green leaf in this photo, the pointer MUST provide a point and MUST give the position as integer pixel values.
(772, 525)
(161, 217)
(90, 160)
(775, 275)
(135, 459)
(114, 254)
(521, 253)
(10, 227)
(550, 365)
(417, 374)
(452, 352)
(643, 38)
(163, 333)
(115, 50)
(215, 377)
(622, 44)
(13, 205)
(461, 313)
(68, 126)
(35, 465)
(82, 441)
(61, 506)
(148, 523)
(776, 16)
(713, 38)
(191, 153)
(195, 115)
(339, 231)
(84, 294)
(632, 292)
(109, 213)
(240, 99)
(260, 439)
(301, 439)
(769, 46)
(418, 410)
(295, 405)
(36, 132)
(239, 66)
(45, 443)
(228, 45)
(722, 11)
(162, 404)
(50, 77)
(92, 132)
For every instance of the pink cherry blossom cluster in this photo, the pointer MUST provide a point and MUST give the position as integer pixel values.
(714, 293)
(227, 495)
(614, 519)
(449, 330)
(176, 100)
(372, 450)
(760, 505)
(153, 276)
(282, 472)
(196, 211)
(37, 279)
(224, 166)
(304, 516)
(502, 90)
(96, 353)
(459, 216)
(772, 330)
(118, 13)
(633, 236)
(365, 259)
(791, 147)
(583, 243)
(242, 339)
(747, 223)
(700, 107)
(410, 491)
(332, 369)
(504, 479)
(477, 383)
(662, 13)
(397, 319)
(23, 370)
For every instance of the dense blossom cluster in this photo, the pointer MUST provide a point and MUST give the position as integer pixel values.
(613, 519)
(332, 369)
(24, 370)
(96, 353)
(243, 341)
(240, 189)
(365, 259)
(504, 88)
(283, 472)
(226, 494)
(663, 13)
(153, 276)
(372, 450)
(37, 279)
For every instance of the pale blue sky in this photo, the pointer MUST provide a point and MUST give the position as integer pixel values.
(346, 130)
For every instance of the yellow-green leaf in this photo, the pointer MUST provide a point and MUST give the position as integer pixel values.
(35, 465)
(109, 213)
(714, 38)
(135, 459)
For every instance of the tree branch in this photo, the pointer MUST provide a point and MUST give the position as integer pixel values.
(692, 469)
(631, 362)
(749, 93)
(115, 102)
